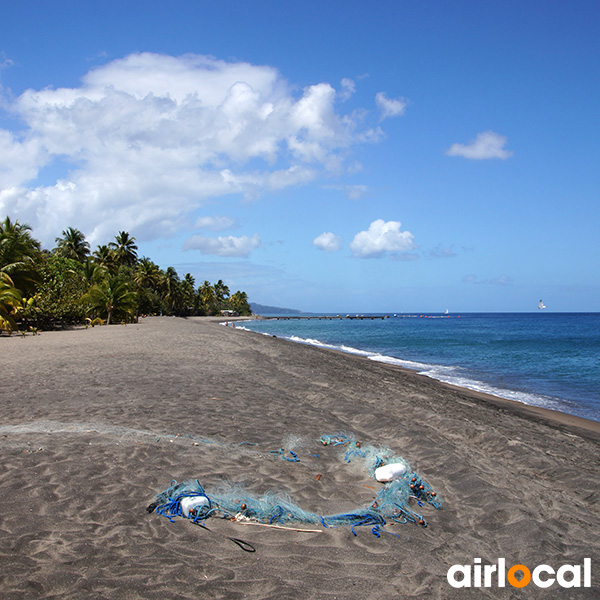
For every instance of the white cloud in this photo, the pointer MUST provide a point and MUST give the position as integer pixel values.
(486, 145)
(348, 88)
(442, 252)
(214, 223)
(150, 138)
(390, 107)
(223, 245)
(501, 280)
(382, 237)
(20, 160)
(352, 191)
(328, 242)
(355, 192)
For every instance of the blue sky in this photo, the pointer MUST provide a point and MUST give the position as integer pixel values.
(326, 156)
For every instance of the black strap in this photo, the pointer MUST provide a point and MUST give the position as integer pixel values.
(245, 546)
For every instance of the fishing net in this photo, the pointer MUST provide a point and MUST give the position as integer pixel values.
(395, 501)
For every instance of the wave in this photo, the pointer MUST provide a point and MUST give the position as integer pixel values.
(453, 375)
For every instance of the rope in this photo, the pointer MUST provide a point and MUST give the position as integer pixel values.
(391, 502)
(281, 452)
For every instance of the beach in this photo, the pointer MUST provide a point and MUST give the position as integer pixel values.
(96, 422)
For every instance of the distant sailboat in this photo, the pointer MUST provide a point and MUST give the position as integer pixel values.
(446, 312)
(541, 305)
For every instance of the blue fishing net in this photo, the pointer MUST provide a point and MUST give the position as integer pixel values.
(396, 501)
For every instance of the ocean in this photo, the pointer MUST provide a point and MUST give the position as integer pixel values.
(543, 359)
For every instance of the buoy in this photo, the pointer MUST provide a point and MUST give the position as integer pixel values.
(190, 503)
(389, 472)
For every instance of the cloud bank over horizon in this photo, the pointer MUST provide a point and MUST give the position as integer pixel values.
(147, 140)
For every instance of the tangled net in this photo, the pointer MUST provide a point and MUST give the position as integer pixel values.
(394, 501)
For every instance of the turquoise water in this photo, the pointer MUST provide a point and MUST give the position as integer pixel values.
(543, 359)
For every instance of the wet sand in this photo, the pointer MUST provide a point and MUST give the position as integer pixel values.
(96, 422)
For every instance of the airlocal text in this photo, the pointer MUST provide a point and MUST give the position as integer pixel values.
(498, 575)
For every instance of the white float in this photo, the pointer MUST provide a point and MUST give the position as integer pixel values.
(191, 502)
(390, 472)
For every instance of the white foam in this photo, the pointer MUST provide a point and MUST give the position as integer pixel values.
(445, 373)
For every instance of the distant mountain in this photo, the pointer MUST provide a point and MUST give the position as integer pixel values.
(262, 309)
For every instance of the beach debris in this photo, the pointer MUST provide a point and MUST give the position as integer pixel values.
(394, 502)
(390, 472)
(293, 457)
(192, 503)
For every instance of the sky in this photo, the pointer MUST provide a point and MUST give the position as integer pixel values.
(339, 156)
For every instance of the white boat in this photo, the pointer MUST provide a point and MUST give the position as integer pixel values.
(541, 305)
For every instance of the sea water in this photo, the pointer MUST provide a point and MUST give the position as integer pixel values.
(544, 359)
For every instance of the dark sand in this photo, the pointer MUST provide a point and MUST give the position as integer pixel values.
(96, 422)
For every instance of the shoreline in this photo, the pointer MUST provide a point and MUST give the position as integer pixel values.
(534, 411)
(97, 422)
(554, 417)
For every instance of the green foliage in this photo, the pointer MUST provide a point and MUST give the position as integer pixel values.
(112, 297)
(10, 302)
(239, 303)
(19, 255)
(124, 249)
(104, 257)
(72, 244)
(207, 299)
(45, 290)
(59, 297)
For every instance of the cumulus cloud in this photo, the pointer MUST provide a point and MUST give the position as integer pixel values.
(223, 245)
(486, 145)
(328, 242)
(214, 223)
(390, 107)
(382, 237)
(150, 138)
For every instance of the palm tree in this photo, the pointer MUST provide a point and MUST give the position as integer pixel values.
(171, 286)
(188, 291)
(112, 294)
(93, 271)
(18, 254)
(206, 292)
(104, 257)
(10, 300)
(124, 248)
(72, 244)
(147, 274)
(239, 303)
(221, 293)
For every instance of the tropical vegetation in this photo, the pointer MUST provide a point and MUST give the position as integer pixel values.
(69, 285)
